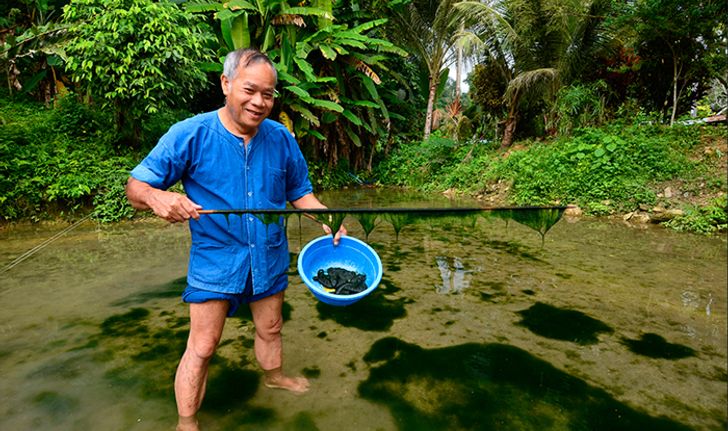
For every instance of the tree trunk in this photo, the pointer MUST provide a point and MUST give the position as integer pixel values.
(674, 89)
(430, 106)
(458, 69)
(509, 131)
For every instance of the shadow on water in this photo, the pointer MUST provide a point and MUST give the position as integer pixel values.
(54, 405)
(169, 290)
(568, 325)
(302, 422)
(376, 312)
(655, 346)
(490, 386)
(513, 248)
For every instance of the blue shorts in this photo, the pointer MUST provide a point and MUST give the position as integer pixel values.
(197, 296)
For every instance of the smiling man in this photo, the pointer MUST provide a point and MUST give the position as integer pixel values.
(230, 158)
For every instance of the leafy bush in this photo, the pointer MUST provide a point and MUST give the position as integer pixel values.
(60, 161)
(598, 165)
(436, 164)
(136, 55)
(706, 220)
(602, 169)
(324, 178)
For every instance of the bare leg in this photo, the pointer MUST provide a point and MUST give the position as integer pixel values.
(207, 320)
(269, 345)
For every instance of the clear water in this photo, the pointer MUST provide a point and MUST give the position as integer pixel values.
(473, 327)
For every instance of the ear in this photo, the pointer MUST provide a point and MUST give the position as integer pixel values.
(225, 84)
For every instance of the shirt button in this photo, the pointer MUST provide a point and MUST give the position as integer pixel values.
(250, 193)
(250, 218)
(252, 245)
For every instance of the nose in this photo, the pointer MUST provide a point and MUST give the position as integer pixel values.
(258, 99)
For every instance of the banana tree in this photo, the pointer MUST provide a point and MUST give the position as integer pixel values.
(31, 50)
(326, 70)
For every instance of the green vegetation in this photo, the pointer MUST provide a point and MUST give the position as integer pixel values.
(614, 169)
(91, 85)
(64, 161)
(135, 55)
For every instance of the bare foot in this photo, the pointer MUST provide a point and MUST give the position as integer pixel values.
(187, 423)
(275, 379)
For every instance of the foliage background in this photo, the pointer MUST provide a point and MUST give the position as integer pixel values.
(569, 101)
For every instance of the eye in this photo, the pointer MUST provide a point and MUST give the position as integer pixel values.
(248, 90)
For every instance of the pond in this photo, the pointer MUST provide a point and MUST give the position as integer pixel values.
(602, 326)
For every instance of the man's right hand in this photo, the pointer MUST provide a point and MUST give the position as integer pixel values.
(170, 206)
(173, 207)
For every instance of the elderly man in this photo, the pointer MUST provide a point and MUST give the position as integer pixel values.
(230, 158)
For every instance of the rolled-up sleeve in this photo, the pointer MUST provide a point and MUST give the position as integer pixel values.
(165, 164)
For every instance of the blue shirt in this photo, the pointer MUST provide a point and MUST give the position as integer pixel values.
(218, 171)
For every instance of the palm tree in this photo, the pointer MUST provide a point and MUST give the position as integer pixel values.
(539, 45)
(429, 28)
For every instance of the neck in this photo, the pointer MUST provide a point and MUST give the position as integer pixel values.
(232, 127)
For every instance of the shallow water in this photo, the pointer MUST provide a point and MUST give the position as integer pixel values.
(473, 327)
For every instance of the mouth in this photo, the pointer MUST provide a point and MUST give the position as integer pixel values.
(255, 114)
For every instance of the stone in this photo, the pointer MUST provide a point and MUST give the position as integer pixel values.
(573, 211)
(667, 192)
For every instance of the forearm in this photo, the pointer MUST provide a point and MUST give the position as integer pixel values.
(309, 201)
(139, 193)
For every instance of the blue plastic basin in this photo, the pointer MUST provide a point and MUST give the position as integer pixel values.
(351, 254)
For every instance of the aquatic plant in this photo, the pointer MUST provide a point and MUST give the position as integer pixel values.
(540, 219)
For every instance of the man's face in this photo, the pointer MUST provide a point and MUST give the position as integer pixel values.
(249, 96)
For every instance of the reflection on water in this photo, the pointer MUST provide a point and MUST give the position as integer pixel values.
(474, 326)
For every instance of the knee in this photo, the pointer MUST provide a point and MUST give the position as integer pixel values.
(270, 328)
(202, 348)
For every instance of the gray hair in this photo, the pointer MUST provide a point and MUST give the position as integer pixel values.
(246, 57)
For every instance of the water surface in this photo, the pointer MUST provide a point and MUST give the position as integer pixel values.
(478, 326)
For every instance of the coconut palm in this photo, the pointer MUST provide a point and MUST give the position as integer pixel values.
(538, 45)
(429, 29)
